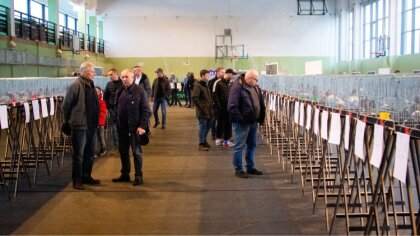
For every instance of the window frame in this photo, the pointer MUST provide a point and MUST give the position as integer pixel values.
(413, 30)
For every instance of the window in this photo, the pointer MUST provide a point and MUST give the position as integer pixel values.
(351, 36)
(36, 10)
(375, 27)
(71, 23)
(21, 5)
(61, 19)
(410, 34)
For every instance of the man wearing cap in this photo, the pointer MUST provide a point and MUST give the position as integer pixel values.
(161, 90)
(220, 97)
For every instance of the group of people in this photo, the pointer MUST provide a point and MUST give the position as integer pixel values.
(223, 103)
(220, 105)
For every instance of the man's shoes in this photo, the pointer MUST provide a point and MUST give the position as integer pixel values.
(202, 147)
(138, 181)
(92, 181)
(156, 125)
(102, 153)
(241, 174)
(207, 144)
(254, 172)
(163, 126)
(122, 178)
(78, 185)
(227, 143)
(219, 142)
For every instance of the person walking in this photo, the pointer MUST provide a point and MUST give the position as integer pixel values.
(161, 91)
(110, 93)
(202, 100)
(246, 109)
(133, 113)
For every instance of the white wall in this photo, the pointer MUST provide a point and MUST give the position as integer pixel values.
(178, 28)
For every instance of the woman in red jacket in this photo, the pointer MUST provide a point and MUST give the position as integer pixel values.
(101, 124)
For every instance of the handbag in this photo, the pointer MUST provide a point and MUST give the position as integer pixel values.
(142, 139)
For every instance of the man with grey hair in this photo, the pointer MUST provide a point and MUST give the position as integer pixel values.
(246, 109)
(141, 79)
(81, 112)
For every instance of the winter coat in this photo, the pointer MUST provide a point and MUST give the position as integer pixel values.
(202, 100)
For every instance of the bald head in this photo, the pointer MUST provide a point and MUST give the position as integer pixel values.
(251, 77)
(127, 78)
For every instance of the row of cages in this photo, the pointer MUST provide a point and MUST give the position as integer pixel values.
(36, 29)
(395, 97)
(362, 171)
(18, 90)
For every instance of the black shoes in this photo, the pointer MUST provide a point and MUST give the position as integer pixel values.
(156, 125)
(92, 181)
(207, 144)
(241, 174)
(163, 126)
(122, 178)
(203, 147)
(138, 181)
(254, 172)
(78, 185)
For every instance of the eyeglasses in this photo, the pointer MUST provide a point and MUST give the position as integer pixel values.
(256, 80)
(125, 76)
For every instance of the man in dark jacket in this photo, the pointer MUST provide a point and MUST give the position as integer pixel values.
(81, 111)
(220, 72)
(133, 115)
(109, 98)
(246, 109)
(220, 101)
(161, 91)
(202, 99)
(141, 79)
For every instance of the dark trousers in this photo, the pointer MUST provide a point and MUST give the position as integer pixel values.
(127, 140)
(174, 98)
(113, 116)
(83, 145)
(214, 122)
(224, 126)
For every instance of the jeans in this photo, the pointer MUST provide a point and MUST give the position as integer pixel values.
(83, 145)
(128, 140)
(159, 102)
(101, 138)
(245, 134)
(113, 116)
(204, 126)
(224, 126)
(189, 95)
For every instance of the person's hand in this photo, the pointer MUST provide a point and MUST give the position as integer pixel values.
(140, 131)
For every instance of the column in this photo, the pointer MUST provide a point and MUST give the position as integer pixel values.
(11, 17)
(81, 25)
(53, 9)
(92, 29)
(101, 29)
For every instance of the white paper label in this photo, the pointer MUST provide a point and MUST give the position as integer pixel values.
(401, 156)
(3, 117)
(297, 104)
(52, 106)
(316, 121)
(44, 108)
(35, 108)
(378, 146)
(347, 133)
(302, 114)
(335, 129)
(324, 125)
(308, 117)
(359, 140)
(27, 112)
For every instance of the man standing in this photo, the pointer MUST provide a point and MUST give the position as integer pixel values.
(220, 97)
(142, 80)
(202, 100)
(219, 75)
(173, 80)
(81, 112)
(246, 108)
(133, 115)
(109, 97)
(161, 91)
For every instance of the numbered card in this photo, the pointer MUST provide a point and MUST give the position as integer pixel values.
(27, 112)
(35, 109)
(302, 114)
(297, 105)
(335, 129)
(44, 107)
(324, 125)
(359, 141)
(347, 133)
(52, 106)
(4, 123)
(316, 121)
(401, 156)
(308, 117)
(378, 146)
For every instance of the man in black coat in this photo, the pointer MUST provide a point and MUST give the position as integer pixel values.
(133, 115)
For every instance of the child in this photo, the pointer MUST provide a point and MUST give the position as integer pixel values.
(101, 125)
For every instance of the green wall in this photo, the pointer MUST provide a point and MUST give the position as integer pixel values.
(42, 49)
(405, 63)
(178, 65)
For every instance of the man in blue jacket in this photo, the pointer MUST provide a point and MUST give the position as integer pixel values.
(246, 109)
(133, 115)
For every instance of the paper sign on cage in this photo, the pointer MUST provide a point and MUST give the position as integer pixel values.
(297, 112)
(347, 133)
(302, 114)
(335, 129)
(308, 117)
(52, 108)
(27, 112)
(324, 125)
(44, 108)
(3, 117)
(316, 121)
(359, 140)
(172, 85)
(35, 109)
(401, 156)
(378, 146)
